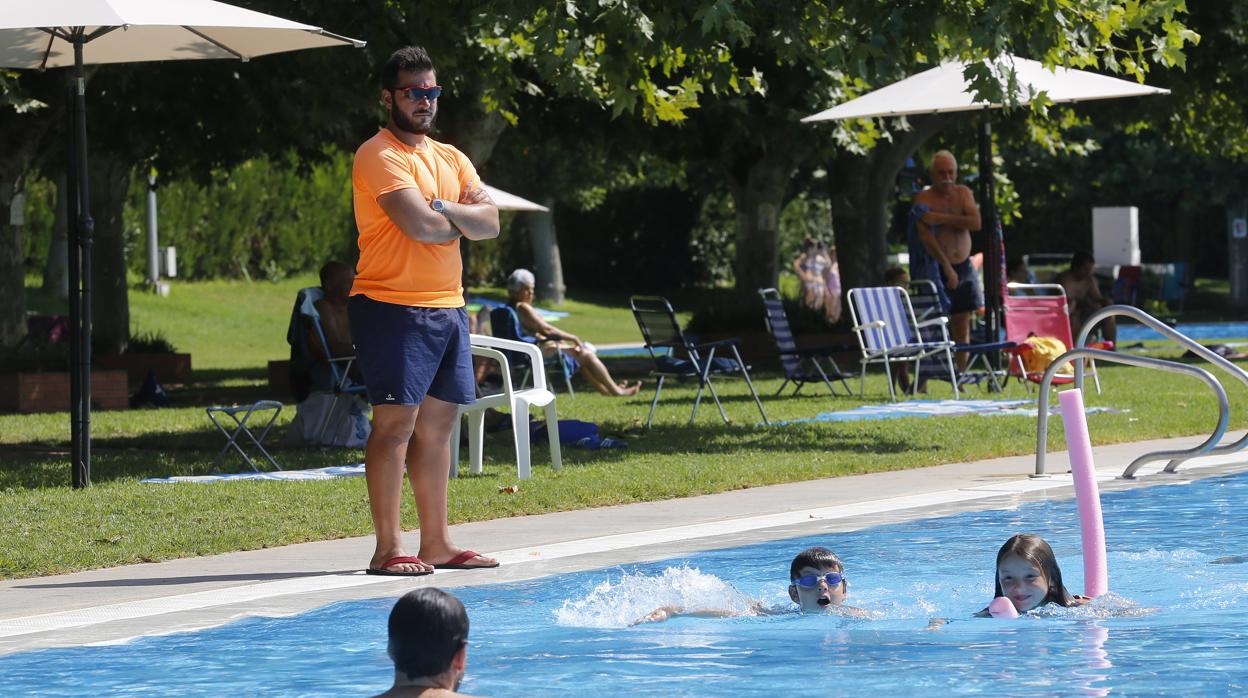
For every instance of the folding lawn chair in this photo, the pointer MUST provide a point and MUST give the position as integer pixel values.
(801, 366)
(1041, 310)
(925, 299)
(332, 376)
(660, 330)
(888, 333)
(505, 324)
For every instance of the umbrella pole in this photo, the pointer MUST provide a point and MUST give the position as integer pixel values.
(77, 473)
(86, 226)
(988, 224)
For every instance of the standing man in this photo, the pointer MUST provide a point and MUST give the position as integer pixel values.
(414, 198)
(944, 232)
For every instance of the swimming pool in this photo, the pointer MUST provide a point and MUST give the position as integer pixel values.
(568, 635)
(1131, 332)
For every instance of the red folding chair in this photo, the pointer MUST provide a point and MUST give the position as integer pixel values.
(1041, 310)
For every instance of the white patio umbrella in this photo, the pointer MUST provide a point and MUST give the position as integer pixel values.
(44, 34)
(943, 89)
(511, 202)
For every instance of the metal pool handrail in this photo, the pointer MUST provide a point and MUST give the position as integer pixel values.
(1165, 330)
(1176, 456)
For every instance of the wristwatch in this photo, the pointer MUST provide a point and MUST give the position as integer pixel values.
(438, 205)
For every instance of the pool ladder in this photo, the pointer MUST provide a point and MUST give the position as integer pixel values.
(1081, 351)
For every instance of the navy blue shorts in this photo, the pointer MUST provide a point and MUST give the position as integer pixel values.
(406, 353)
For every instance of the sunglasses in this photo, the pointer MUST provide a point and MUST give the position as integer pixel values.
(810, 581)
(418, 93)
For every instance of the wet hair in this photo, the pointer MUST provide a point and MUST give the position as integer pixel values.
(331, 270)
(428, 627)
(893, 275)
(1081, 258)
(817, 557)
(412, 59)
(1035, 550)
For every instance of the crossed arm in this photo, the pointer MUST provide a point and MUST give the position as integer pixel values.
(474, 216)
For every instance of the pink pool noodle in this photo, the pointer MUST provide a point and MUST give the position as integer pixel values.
(1087, 494)
(1002, 607)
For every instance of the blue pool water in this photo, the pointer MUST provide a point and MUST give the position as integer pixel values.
(1131, 332)
(1176, 622)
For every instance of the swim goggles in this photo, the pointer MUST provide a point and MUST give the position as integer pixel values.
(810, 581)
(418, 93)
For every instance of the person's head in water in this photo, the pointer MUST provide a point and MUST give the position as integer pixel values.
(817, 580)
(1028, 575)
(336, 280)
(428, 639)
(410, 91)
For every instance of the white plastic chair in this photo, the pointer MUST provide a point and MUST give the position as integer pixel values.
(518, 402)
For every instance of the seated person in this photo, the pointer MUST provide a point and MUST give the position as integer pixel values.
(428, 631)
(1084, 295)
(1017, 272)
(520, 287)
(816, 584)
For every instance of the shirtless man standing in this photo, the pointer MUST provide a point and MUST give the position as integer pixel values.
(945, 233)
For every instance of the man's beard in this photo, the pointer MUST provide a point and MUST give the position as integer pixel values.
(405, 122)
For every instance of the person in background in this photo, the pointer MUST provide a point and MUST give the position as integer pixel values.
(428, 643)
(520, 289)
(1084, 295)
(832, 282)
(810, 265)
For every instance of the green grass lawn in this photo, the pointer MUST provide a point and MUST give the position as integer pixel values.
(50, 528)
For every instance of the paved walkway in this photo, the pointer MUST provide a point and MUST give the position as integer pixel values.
(114, 604)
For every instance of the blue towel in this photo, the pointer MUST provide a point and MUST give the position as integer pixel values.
(923, 265)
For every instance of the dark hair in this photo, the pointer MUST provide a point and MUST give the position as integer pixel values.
(817, 557)
(427, 628)
(412, 59)
(1014, 265)
(894, 274)
(332, 269)
(1035, 550)
(1081, 258)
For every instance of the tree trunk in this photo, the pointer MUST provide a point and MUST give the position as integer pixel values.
(56, 269)
(12, 265)
(861, 188)
(758, 186)
(548, 267)
(110, 308)
(19, 141)
(474, 132)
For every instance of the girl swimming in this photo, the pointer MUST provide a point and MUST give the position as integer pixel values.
(1027, 574)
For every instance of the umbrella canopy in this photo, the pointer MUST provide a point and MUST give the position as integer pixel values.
(944, 89)
(511, 202)
(35, 35)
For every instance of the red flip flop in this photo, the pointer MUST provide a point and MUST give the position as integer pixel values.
(401, 559)
(457, 562)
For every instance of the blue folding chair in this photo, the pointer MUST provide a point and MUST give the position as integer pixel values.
(925, 300)
(662, 335)
(505, 324)
(888, 333)
(804, 365)
(331, 376)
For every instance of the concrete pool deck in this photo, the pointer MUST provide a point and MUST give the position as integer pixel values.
(115, 604)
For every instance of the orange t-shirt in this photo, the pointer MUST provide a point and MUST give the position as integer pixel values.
(394, 268)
